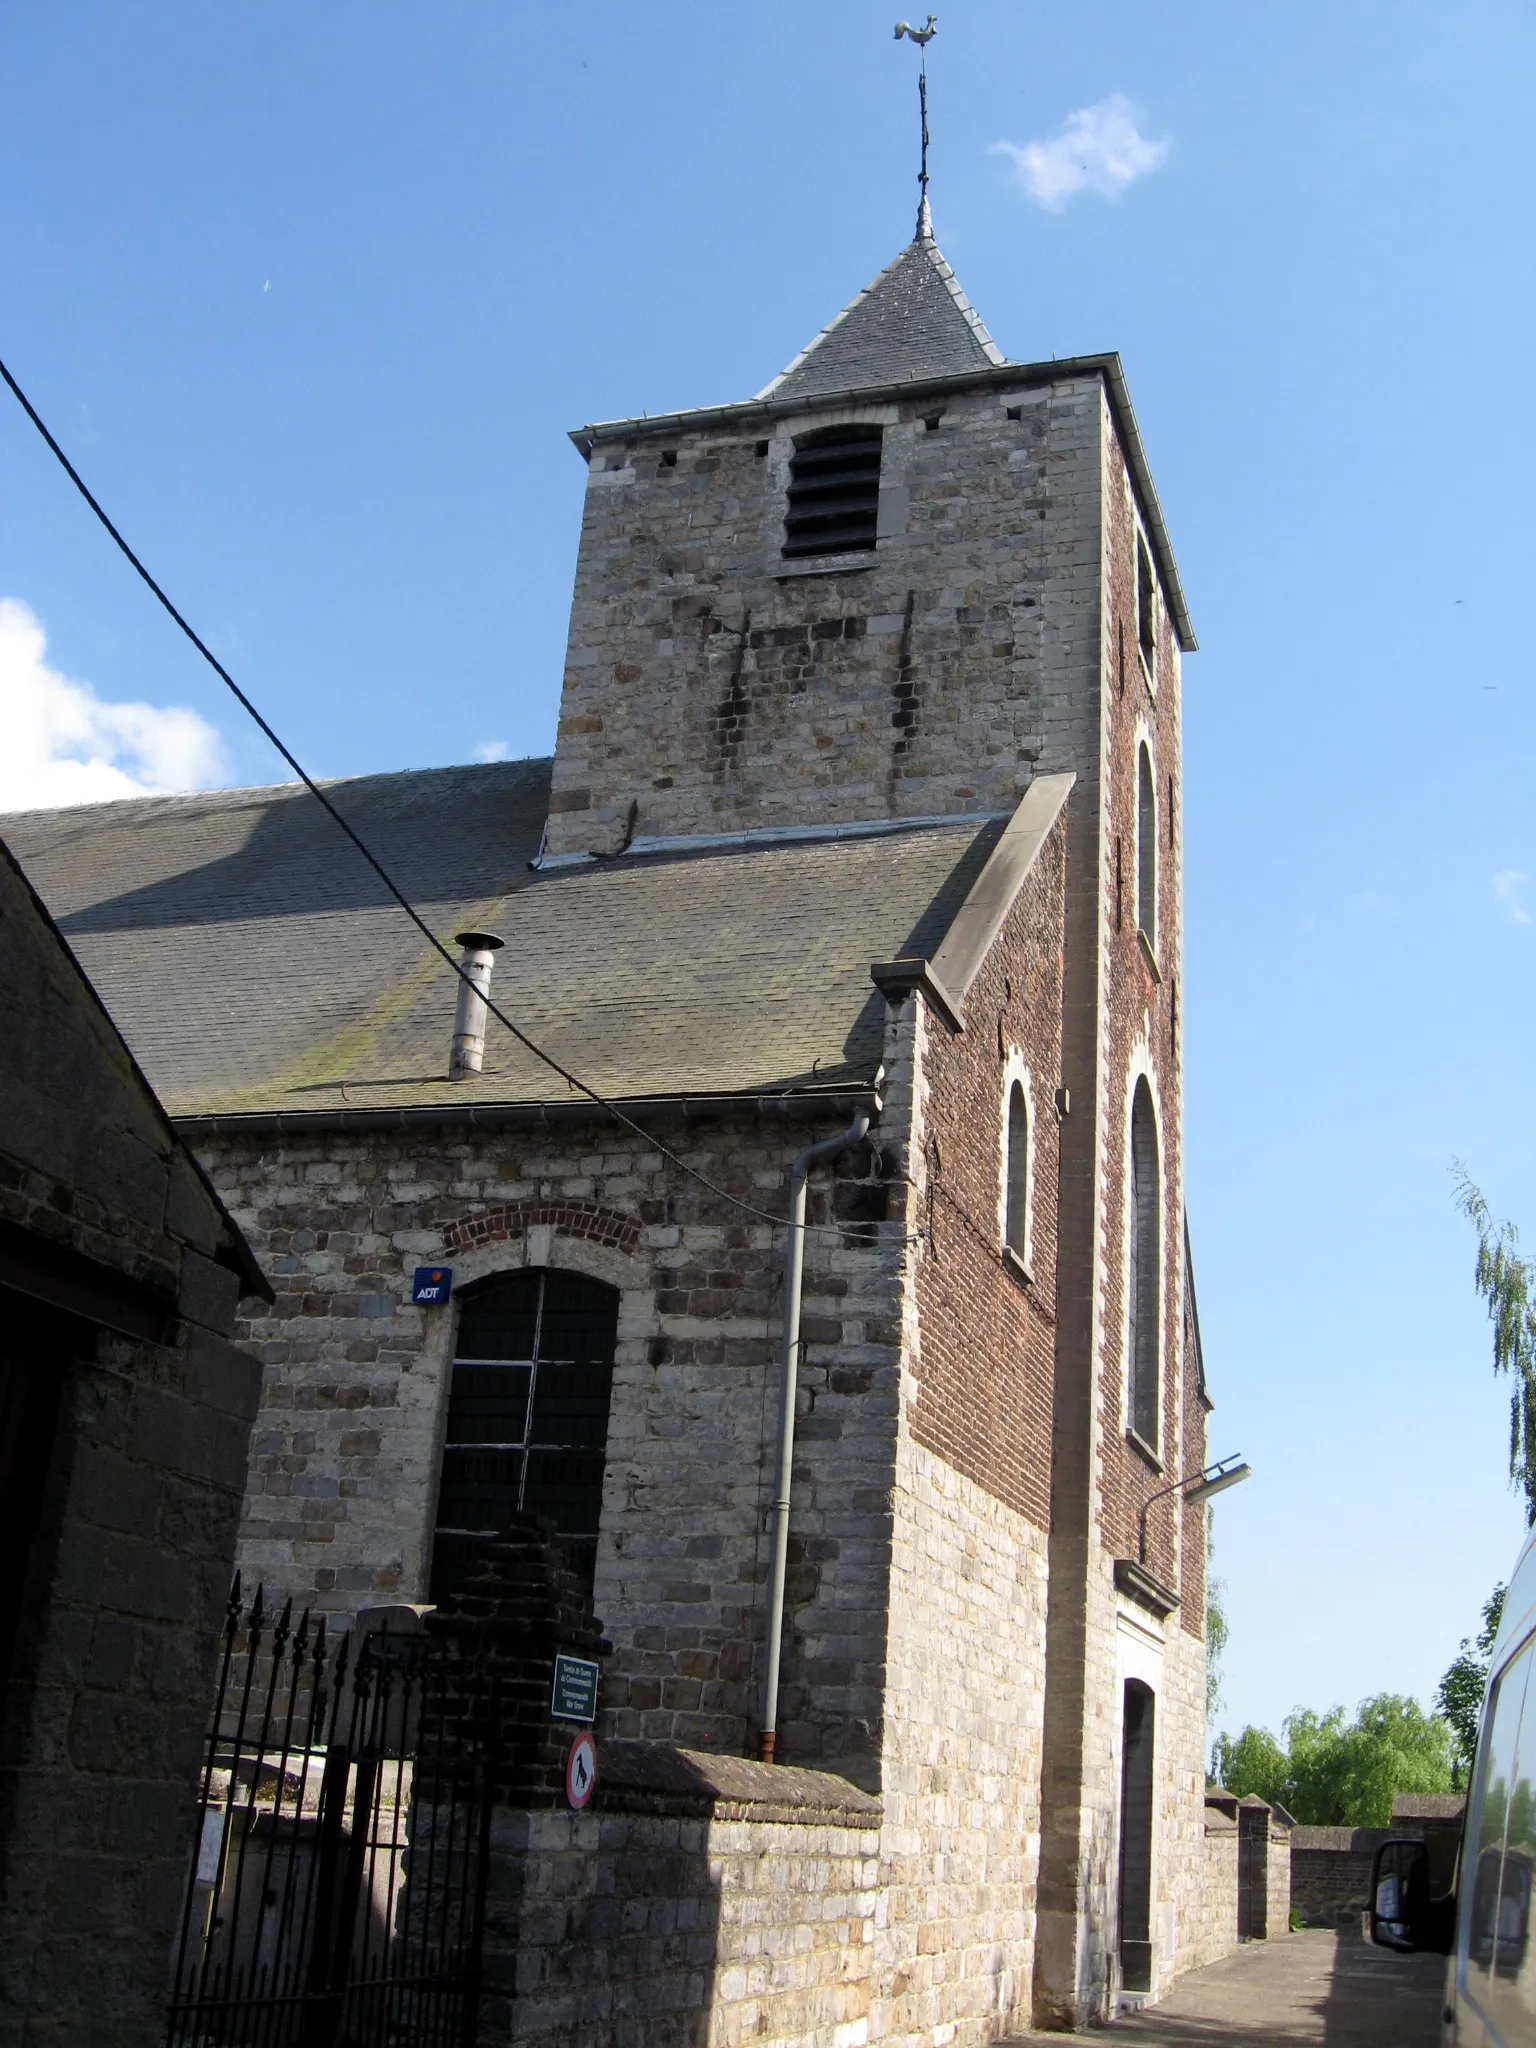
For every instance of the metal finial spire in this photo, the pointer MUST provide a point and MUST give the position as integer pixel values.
(922, 37)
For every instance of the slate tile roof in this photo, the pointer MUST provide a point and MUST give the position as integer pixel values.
(253, 963)
(912, 323)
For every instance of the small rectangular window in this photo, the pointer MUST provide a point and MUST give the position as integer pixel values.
(1146, 609)
(834, 491)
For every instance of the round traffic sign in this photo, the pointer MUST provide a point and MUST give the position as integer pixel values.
(581, 1770)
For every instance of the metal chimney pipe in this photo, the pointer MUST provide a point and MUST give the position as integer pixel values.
(480, 950)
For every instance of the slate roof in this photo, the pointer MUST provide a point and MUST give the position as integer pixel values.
(254, 964)
(913, 323)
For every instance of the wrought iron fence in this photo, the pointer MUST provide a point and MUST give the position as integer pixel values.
(337, 1892)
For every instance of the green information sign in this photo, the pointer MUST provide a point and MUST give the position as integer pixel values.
(575, 1691)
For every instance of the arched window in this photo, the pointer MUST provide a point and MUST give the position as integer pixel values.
(1016, 1168)
(527, 1416)
(1146, 1266)
(1146, 849)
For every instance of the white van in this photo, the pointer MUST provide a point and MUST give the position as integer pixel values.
(1484, 1924)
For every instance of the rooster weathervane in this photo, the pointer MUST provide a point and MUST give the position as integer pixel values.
(922, 37)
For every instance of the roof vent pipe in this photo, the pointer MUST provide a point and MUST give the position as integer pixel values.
(480, 950)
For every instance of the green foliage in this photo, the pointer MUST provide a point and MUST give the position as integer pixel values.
(1217, 1629)
(1459, 1698)
(1252, 1763)
(1337, 1773)
(1502, 1278)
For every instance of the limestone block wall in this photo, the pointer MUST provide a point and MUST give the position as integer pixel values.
(341, 1497)
(1212, 1921)
(713, 1922)
(711, 685)
(959, 1851)
(1278, 1893)
(1183, 1815)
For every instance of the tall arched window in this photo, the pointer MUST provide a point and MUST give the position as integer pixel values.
(1016, 1188)
(527, 1416)
(1146, 1266)
(1146, 848)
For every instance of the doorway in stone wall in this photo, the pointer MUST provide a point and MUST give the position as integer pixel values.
(1136, 1837)
(527, 1417)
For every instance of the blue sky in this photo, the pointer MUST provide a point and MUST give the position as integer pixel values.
(314, 294)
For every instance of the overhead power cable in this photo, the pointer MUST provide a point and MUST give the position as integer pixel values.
(572, 1080)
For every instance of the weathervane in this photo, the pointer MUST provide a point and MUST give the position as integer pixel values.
(922, 37)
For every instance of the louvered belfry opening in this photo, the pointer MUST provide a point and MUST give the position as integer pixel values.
(834, 491)
(527, 1417)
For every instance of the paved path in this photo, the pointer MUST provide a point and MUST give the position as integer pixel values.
(1334, 1990)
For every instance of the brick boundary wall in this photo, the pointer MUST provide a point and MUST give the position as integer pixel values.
(571, 1216)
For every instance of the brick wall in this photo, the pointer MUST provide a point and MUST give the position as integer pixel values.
(1140, 1000)
(986, 1331)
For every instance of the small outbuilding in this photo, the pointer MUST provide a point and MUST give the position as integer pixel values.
(125, 1416)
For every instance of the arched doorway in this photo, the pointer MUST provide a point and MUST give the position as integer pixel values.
(527, 1416)
(1136, 1837)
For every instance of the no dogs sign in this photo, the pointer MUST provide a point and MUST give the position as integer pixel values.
(581, 1771)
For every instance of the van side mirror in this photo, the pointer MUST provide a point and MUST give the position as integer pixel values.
(1403, 1915)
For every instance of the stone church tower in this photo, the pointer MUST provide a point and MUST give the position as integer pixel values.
(865, 804)
(906, 581)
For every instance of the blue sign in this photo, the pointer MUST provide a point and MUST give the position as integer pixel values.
(432, 1285)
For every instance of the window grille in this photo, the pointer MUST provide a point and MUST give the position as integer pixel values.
(1016, 1227)
(527, 1417)
(1146, 1265)
(834, 491)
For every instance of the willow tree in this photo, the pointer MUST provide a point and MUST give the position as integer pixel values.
(1503, 1279)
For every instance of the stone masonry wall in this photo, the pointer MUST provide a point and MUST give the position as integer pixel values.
(1179, 1861)
(342, 1491)
(966, 1673)
(615, 1929)
(711, 685)
(117, 1597)
(1212, 1925)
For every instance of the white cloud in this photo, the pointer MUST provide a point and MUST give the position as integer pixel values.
(1101, 149)
(1508, 885)
(60, 744)
(491, 750)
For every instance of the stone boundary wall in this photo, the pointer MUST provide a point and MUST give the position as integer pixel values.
(702, 1900)
(1331, 1872)
(1278, 1894)
(1214, 1925)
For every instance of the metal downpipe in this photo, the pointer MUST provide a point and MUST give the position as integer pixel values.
(794, 1270)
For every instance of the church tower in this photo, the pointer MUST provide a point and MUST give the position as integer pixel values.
(900, 584)
(871, 592)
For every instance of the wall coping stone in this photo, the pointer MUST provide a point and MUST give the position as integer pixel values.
(660, 1777)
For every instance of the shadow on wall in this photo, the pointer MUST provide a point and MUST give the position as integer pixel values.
(649, 1918)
